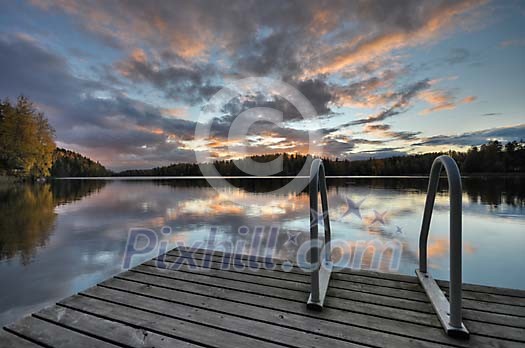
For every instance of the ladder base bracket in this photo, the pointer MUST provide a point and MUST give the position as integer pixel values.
(324, 278)
(441, 306)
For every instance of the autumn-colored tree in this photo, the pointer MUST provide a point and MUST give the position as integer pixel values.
(26, 139)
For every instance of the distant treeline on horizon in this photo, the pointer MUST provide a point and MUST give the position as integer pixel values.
(28, 150)
(493, 157)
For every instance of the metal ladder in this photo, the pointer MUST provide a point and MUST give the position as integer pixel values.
(449, 314)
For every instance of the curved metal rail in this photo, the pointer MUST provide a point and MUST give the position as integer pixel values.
(322, 270)
(449, 314)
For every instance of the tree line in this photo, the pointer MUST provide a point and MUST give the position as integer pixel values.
(492, 157)
(69, 163)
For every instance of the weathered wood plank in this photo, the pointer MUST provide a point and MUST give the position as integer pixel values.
(52, 335)
(330, 322)
(272, 278)
(150, 306)
(378, 276)
(339, 280)
(10, 340)
(486, 289)
(221, 321)
(386, 295)
(232, 293)
(265, 297)
(300, 292)
(299, 307)
(472, 314)
(162, 324)
(110, 331)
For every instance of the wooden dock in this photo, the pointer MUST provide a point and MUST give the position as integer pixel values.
(156, 305)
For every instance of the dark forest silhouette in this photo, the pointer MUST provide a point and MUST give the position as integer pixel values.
(493, 157)
(70, 163)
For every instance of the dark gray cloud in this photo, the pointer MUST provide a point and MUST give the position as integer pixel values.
(191, 85)
(403, 97)
(117, 124)
(405, 135)
(376, 127)
(477, 138)
(26, 68)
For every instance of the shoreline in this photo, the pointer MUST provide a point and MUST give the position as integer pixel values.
(239, 177)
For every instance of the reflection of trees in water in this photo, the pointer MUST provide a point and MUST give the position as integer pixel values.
(248, 185)
(27, 214)
(66, 191)
(495, 191)
(26, 219)
(486, 190)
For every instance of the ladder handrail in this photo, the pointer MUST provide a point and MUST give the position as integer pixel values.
(317, 184)
(450, 317)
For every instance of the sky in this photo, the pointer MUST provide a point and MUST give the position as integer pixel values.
(127, 83)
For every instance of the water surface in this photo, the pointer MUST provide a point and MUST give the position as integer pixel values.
(61, 237)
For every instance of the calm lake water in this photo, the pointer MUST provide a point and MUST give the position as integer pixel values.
(61, 237)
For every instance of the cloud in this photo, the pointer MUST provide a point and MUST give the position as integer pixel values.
(512, 42)
(115, 125)
(178, 82)
(442, 100)
(367, 93)
(294, 39)
(403, 99)
(384, 131)
(468, 99)
(373, 128)
(159, 63)
(509, 133)
(27, 68)
(399, 31)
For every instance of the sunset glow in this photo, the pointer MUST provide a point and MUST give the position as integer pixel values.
(125, 82)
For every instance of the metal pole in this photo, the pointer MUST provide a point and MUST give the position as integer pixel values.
(449, 313)
(326, 215)
(314, 228)
(454, 184)
(427, 215)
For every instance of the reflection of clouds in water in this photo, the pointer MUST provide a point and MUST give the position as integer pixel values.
(86, 242)
(437, 248)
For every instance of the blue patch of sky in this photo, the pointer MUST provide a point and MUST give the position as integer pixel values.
(495, 75)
